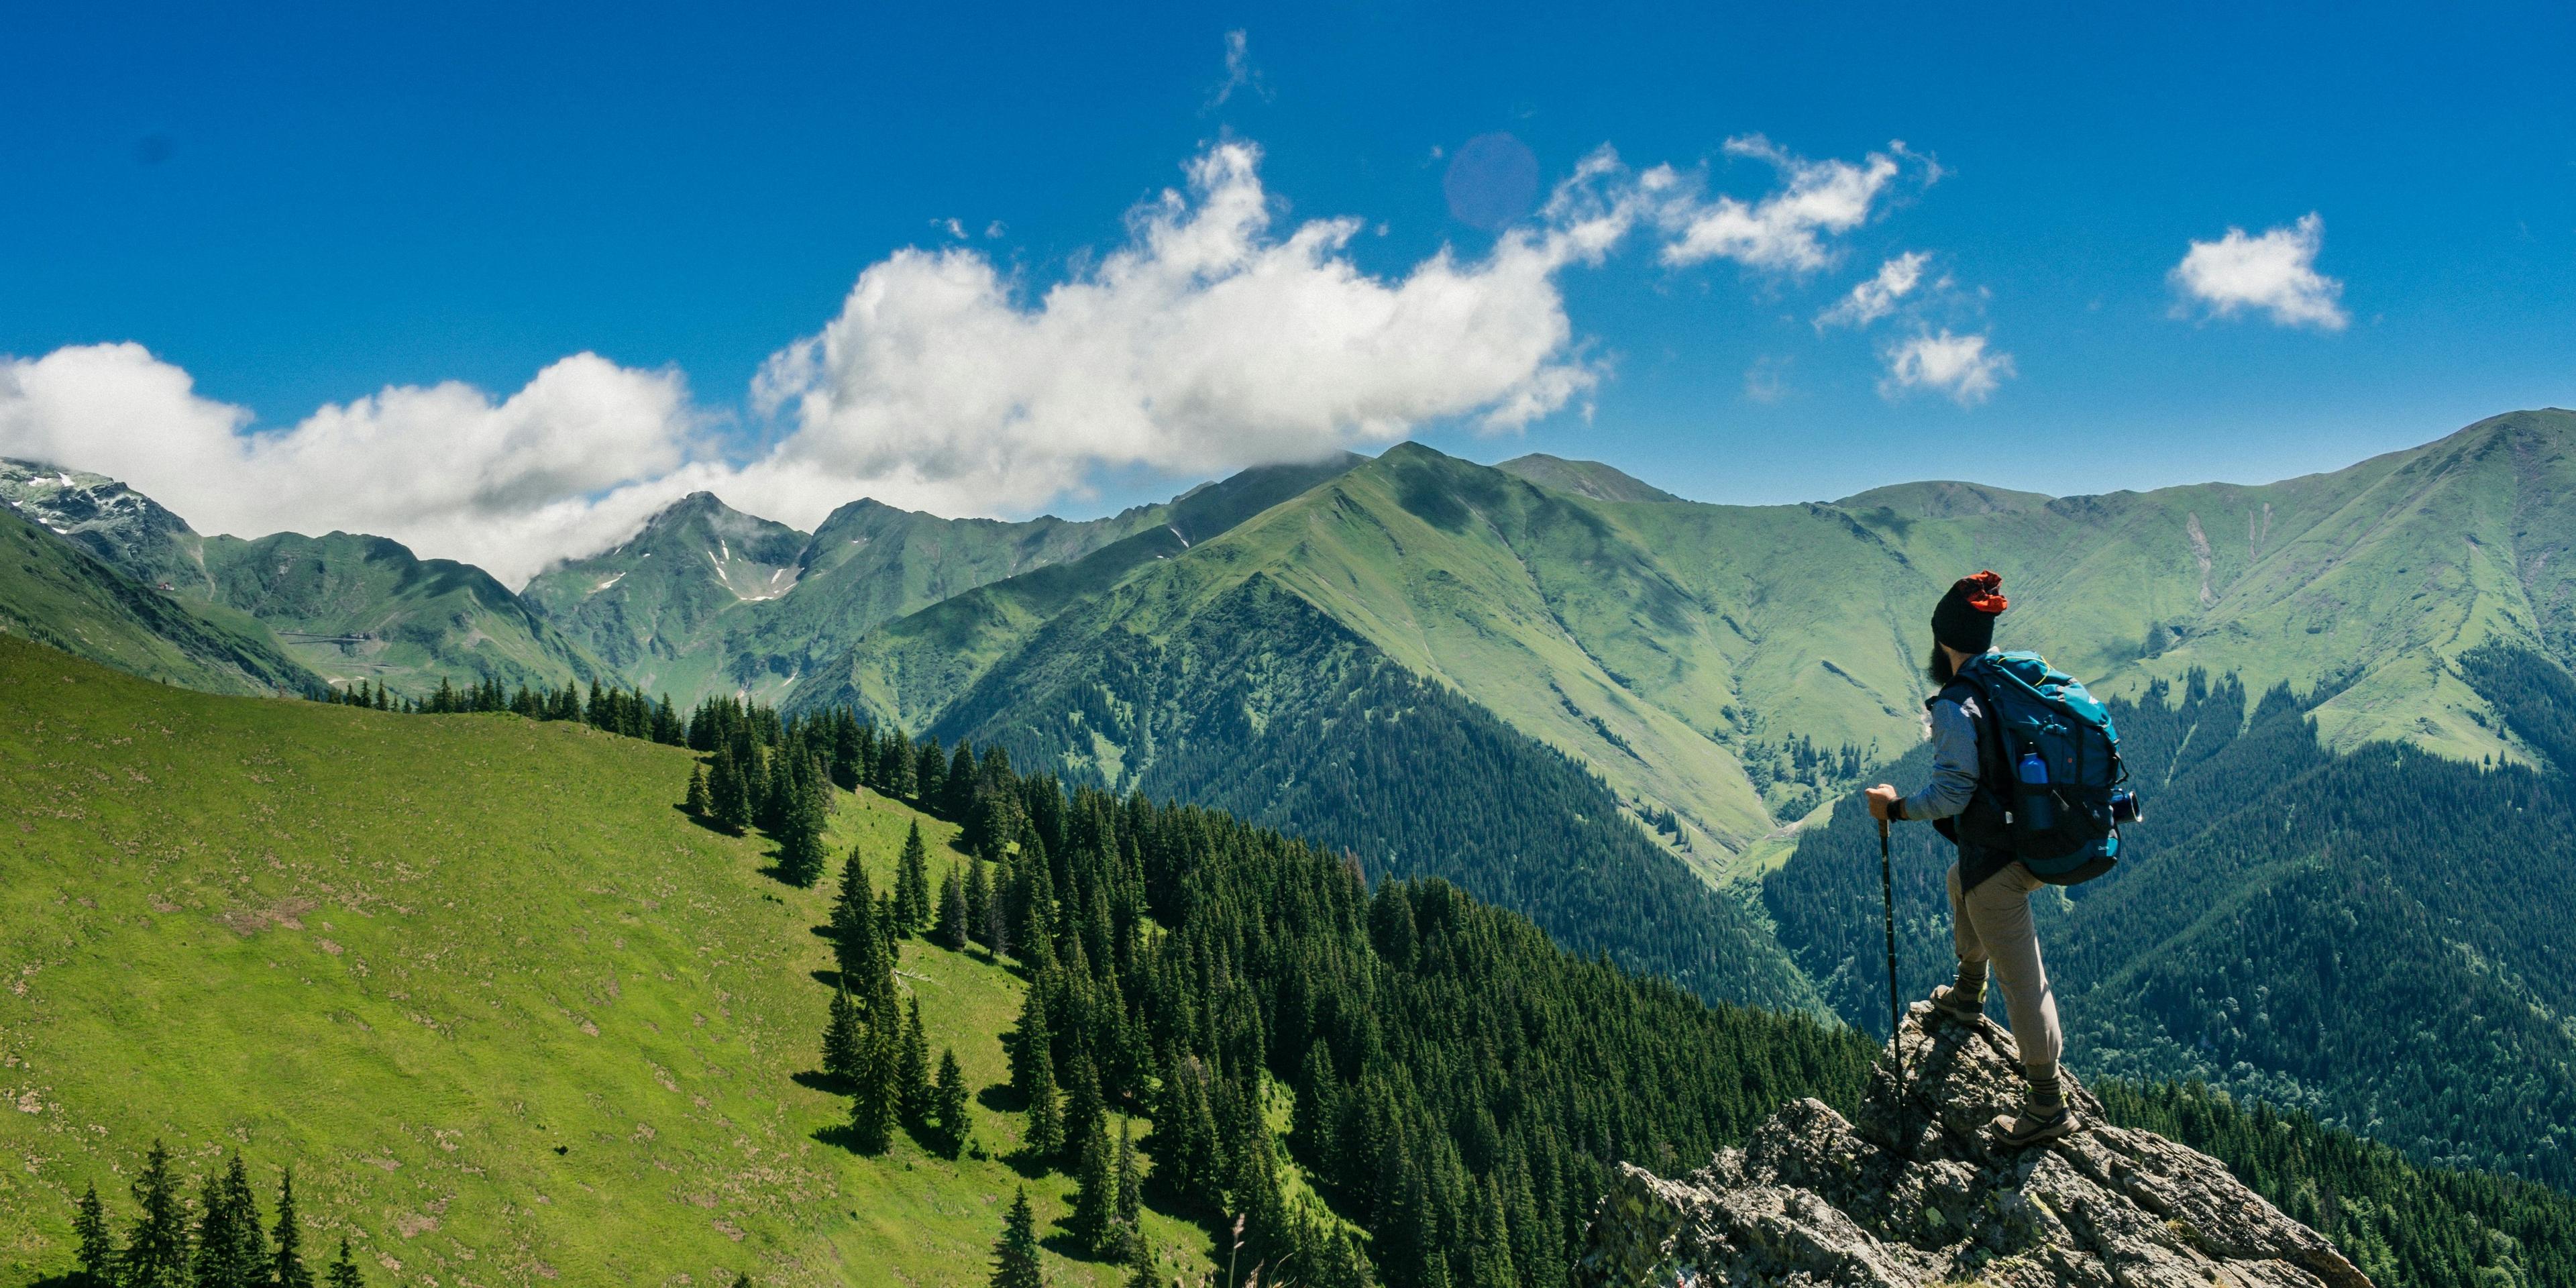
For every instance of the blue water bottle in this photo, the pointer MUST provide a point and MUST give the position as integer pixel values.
(2038, 811)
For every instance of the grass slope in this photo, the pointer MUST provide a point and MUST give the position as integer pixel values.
(417, 956)
(54, 591)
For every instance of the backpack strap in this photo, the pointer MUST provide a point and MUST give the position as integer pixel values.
(1992, 768)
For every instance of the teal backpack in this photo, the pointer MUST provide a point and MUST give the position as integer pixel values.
(2050, 769)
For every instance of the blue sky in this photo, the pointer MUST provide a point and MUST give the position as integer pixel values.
(302, 207)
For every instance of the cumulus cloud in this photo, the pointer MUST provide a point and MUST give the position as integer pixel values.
(442, 467)
(1877, 297)
(1207, 343)
(1783, 232)
(1211, 340)
(1217, 335)
(1959, 366)
(2274, 273)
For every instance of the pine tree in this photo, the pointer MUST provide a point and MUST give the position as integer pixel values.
(250, 1242)
(801, 817)
(1128, 1211)
(912, 885)
(948, 1104)
(898, 765)
(1045, 1135)
(288, 1268)
(728, 793)
(1085, 1113)
(857, 940)
(344, 1271)
(1093, 1222)
(156, 1254)
(97, 1244)
(699, 804)
(873, 1105)
(957, 799)
(930, 775)
(231, 1251)
(981, 922)
(1489, 1247)
(912, 1067)
(949, 929)
(1140, 1264)
(841, 1039)
(1015, 1254)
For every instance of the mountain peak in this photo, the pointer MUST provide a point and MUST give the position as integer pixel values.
(1919, 1192)
(1943, 499)
(1583, 478)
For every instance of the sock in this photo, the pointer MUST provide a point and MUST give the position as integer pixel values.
(1972, 978)
(2047, 1094)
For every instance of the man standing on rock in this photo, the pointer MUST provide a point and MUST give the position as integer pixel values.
(1990, 920)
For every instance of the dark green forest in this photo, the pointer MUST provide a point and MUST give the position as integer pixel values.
(2426, 1227)
(1266, 708)
(2376, 938)
(1458, 1084)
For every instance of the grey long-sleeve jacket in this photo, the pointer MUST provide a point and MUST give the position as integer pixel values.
(1954, 762)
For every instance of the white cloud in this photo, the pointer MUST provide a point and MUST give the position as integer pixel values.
(1877, 297)
(1217, 336)
(442, 468)
(1956, 365)
(1208, 342)
(2275, 273)
(1783, 232)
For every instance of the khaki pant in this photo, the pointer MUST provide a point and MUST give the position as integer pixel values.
(1992, 924)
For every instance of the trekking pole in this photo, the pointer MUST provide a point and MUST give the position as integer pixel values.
(1887, 891)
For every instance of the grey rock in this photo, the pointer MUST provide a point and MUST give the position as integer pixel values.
(1918, 1193)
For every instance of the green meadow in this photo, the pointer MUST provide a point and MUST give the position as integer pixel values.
(513, 1017)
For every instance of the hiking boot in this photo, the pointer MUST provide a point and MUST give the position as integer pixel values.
(1960, 1002)
(2034, 1125)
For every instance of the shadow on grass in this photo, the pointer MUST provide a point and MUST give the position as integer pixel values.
(817, 1080)
(827, 978)
(840, 1136)
(1062, 1243)
(706, 821)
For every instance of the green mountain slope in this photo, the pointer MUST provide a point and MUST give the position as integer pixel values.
(1666, 646)
(2370, 581)
(358, 608)
(1735, 665)
(55, 592)
(740, 604)
(351, 608)
(1582, 478)
(512, 1016)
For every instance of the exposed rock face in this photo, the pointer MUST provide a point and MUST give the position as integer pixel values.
(1919, 1193)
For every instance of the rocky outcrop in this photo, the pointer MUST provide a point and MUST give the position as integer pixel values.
(1919, 1192)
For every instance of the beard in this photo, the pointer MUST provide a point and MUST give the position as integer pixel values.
(1939, 667)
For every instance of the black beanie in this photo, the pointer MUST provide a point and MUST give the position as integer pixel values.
(1965, 618)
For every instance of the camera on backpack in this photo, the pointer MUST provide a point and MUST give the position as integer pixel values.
(2124, 806)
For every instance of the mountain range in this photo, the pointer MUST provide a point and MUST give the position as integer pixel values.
(1627, 715)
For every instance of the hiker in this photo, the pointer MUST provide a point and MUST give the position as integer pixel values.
(1990, 888)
